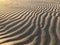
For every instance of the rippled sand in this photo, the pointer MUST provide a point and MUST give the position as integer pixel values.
(30, 24)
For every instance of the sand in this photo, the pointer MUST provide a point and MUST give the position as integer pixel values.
(30, 24)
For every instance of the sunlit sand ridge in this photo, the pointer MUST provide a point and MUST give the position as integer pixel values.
(35, 23)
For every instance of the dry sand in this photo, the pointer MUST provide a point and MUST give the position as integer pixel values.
(30, 24)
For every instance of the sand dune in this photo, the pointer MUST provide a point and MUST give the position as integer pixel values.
(37, 24)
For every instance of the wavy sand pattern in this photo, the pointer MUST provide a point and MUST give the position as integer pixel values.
(37, 25)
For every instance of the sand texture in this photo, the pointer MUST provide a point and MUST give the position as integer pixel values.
(30, 24)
